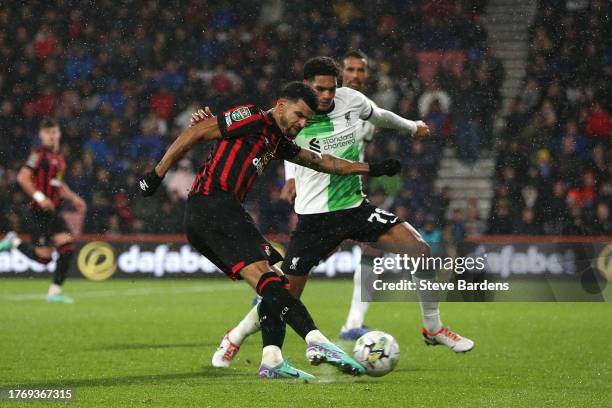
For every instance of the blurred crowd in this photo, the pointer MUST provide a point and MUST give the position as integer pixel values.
(124, 78)
(554, 172)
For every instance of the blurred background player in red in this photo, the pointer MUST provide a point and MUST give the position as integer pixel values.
(41, 178)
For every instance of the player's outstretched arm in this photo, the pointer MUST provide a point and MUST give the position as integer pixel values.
(327, 163)
(385, 119)
(207, 129)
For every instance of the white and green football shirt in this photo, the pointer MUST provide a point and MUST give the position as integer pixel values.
(342, 133)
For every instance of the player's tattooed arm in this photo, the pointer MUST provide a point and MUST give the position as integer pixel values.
(207, 129)
(327, 163)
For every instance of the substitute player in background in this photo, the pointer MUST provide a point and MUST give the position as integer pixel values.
(41, 178)
(217, 225)
(333, 208)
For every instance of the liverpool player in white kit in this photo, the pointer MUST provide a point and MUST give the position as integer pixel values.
(331, 209)
(355, 74)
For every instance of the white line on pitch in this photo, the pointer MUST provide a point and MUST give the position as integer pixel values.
(126, 292)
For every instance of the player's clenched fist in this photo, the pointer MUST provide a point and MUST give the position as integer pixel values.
(149, 183)
(47, 205)
(387, 167)
(200, 115)
(422, 129)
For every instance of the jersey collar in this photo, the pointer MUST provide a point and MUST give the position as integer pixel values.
(47, 149)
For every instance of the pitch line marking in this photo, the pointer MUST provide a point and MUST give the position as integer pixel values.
(125, 292)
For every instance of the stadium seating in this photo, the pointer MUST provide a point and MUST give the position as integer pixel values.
(124, 90)
(554, 172)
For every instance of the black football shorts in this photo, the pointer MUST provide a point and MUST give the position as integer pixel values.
(219, 228)
(316, 236)
(43, 225)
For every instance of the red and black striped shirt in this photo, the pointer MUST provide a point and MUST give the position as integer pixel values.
(49, 169)
(250, 138)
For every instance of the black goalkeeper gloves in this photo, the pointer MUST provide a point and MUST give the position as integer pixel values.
(149, 183)
(387, 167)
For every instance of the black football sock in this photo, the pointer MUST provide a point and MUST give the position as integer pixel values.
(279, 302)
(66, 252)
(28, 250)
(273, 329)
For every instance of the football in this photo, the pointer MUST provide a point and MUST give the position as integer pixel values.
(378, 352)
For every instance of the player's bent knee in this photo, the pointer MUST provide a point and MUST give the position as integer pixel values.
(296, 285)
(424, 248)
(268, 278)
(253, 272)
(407, 234)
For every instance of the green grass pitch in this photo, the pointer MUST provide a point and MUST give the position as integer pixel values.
(149, 343)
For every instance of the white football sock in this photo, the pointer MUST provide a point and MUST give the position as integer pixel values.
(316, 336)
(430, 307)
(54, 289)
(358, 309)
(248, 326)
(271, 356)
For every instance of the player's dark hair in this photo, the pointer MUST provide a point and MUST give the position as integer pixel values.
(296, 90)
(355, 54)
(321, 66)
(48, 123)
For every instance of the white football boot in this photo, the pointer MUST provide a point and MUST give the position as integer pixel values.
(450, 339)
(225, 352)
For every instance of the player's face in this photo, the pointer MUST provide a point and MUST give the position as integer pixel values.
(294, 116)
(325, 86)
(50, 137)
(355, 73)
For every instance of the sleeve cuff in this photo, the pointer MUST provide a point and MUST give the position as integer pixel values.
(411, 126)
(371, 112)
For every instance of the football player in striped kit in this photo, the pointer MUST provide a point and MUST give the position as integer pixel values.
(334, 208)
(41, 178)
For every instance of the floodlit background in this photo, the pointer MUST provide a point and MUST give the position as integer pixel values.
(517, 94)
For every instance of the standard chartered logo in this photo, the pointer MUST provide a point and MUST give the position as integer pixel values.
(96, 261)
(338, 142)
(314, 145)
